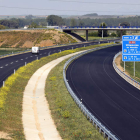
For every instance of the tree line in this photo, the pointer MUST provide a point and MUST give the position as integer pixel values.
(54, 20)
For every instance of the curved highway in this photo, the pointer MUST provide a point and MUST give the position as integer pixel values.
(8, 64)
(112, 100)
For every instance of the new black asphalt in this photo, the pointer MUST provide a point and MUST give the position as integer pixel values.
(8, 64)
(112, 100)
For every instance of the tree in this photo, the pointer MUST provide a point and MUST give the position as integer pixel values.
(72, 22)
(33, 25)
(81, 23)
(105, 32)
(29, 17)
(2, 27)
(54, 20)
(119, 33)
(125, 24)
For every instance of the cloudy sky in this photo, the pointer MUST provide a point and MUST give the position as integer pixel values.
(69, 7)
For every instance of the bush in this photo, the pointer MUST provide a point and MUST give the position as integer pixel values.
(93, 34)
(113, 34)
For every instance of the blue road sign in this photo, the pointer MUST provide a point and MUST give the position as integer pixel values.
(131, 48)
(130, 57)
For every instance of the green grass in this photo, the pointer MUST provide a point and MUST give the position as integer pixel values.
(70, 121)
(96, 38)
(129, 67)
(2, 52)
(11, 97)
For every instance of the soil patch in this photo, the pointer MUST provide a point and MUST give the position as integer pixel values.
(28, 44)
(4, 135)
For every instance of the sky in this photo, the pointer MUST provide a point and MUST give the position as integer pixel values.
(69, 7)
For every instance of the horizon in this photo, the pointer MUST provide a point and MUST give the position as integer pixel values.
(65, 7)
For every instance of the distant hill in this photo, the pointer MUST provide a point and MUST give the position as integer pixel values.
(29, 38)
(92, 14)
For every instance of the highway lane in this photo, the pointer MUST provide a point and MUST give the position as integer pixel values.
(112, 100)
(8, 64)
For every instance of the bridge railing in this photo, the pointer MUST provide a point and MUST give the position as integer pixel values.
(88, 114)
(123, 75)
(96, 27)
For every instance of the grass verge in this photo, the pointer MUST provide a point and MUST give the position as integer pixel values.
(70, 121)
(11, 95)
(129, 67)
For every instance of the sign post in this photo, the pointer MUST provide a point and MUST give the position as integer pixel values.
(131, 49)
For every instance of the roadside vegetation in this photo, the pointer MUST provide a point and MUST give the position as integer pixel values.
(70, 121)
(9, 51)
(11, 97)
(129, 67)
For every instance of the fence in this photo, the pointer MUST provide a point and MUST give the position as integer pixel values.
(88, 114)
(123, 75)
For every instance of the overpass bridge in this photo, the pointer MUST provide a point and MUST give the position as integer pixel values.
(68, 29)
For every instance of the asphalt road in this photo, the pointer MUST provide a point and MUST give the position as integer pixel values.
(112, 100)
(8, 64)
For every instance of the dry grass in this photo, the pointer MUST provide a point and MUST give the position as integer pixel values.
(18, 38)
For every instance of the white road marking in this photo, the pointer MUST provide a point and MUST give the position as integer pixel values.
(11, 62)
(21, 59)
(6, 65)
(31, 56)
(1, 67)
(49, 53)
(17, 61)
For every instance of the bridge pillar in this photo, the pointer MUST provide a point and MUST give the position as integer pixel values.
(86, 35)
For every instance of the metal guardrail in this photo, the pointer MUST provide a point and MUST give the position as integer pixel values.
(88, 114)
(41, 48)
(123, 75)
(95, 27)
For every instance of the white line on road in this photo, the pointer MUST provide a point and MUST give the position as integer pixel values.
(6, 65)
(11, 62)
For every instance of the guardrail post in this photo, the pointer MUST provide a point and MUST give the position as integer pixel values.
(60, 51)
(104, 134)
(37, 58)
(25, 63)
(14, 71)
(3, 83)
(99, 130)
